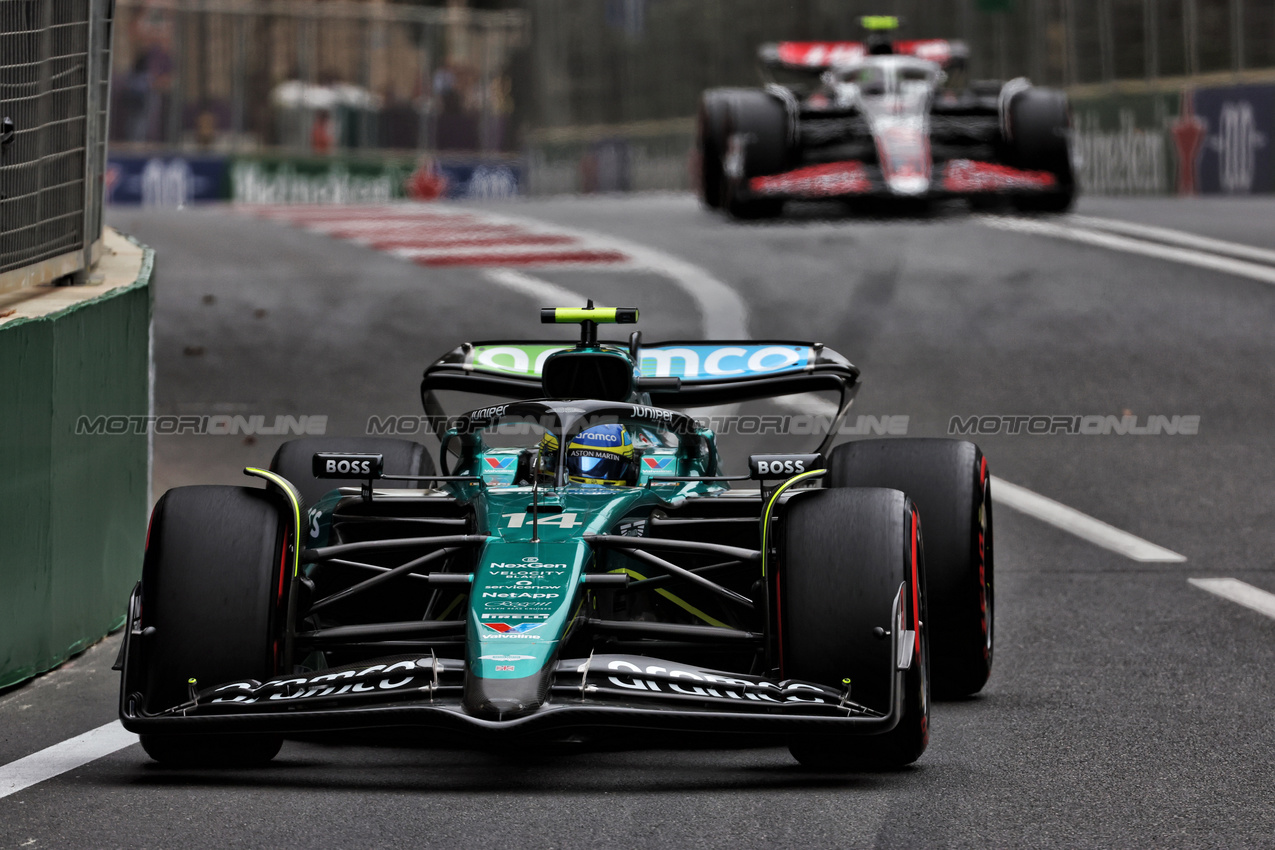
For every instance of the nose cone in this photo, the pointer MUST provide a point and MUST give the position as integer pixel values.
(504, 699)
(909, 185)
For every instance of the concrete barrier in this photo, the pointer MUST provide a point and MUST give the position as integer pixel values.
(73, 506)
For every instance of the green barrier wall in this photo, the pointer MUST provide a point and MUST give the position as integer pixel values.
(73, 509)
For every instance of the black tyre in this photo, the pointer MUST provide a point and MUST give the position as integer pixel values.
(846, 552)
(761, 121)
(710, 144)
(294, 461)
(949, 483)
(213, 590)
(1040, 124)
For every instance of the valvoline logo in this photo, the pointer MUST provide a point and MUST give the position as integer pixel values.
(511, 628)
(659, 464)
(500, 464)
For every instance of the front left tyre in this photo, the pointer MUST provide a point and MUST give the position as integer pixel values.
(846, 554)
(1040, 132)
(214, 580)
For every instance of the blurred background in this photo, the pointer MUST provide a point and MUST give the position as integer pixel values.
(266, 101)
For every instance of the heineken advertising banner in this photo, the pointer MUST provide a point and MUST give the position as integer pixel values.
(1196, 141)
(171, 180)
(327, 181)
(315, 181)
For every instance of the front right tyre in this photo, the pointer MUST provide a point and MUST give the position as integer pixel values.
(214, 580)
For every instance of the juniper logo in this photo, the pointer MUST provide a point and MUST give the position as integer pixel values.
(1072, 423)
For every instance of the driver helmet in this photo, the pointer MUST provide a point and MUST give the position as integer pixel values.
(600, 455)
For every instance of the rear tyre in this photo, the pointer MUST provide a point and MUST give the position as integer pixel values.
(1040, 121)
(761, 122)
(294, 461)
(949, 483)
(846, 553)
(213, 590)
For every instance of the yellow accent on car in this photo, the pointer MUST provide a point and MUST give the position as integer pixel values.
(878, 23)
(770, 506)
(293, 496)
(599, 315)
(681, 603)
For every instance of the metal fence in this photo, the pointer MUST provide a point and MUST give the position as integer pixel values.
(235, 76)
(54, 85)
(598, 62)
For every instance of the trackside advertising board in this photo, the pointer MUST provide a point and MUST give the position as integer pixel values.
(173, 180)
(1214, 141)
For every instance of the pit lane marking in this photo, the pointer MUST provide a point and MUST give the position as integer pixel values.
(1237, 591)
(65, 756)
(1114, 242)
(1081, 525)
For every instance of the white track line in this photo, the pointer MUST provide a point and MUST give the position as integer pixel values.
(723, 312)
(1186, 256)
(1082, 525)
(68, 755)
(549, 294)
(1237, 591)
(1177, 237)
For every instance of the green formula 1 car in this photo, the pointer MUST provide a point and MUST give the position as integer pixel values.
(577, 565)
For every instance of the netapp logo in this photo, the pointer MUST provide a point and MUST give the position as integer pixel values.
(521, 595)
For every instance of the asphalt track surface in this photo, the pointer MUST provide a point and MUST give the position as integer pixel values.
(1127, 707)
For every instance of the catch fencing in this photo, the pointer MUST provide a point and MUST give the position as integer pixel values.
(54, 87)
(294, 77)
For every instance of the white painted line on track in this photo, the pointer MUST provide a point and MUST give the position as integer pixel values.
(1186, 256)
(722, 310)
(549, 294)
(68, 755)
(1237, 591)
(1082, 525)
(1177, 237)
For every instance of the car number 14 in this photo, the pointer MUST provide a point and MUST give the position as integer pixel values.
(562, 520)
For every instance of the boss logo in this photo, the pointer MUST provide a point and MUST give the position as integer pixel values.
(347, 465)
(782, 466)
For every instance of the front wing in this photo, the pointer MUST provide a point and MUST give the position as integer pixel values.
(594, 693)
(854, 178)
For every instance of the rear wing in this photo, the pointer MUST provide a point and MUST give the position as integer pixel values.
(686, 374)
(818, 56)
